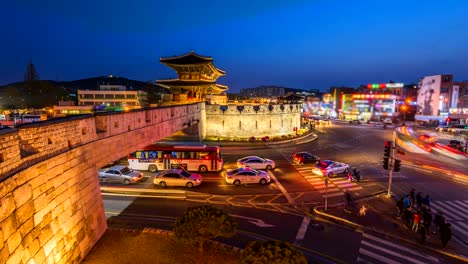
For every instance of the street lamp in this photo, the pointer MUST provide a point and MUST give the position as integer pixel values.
(403, 108)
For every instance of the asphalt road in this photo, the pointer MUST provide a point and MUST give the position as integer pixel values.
(263, 211)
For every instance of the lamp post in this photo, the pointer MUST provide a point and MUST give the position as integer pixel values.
(403, 109)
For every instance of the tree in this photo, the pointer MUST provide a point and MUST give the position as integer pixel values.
(201, 223)
(31, 73)
(272, 251)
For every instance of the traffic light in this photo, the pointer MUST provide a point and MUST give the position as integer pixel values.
(397, 165)
(385, 163)
(388, 148)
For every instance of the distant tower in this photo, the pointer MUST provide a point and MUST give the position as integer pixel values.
(196, 77)
(31, 73)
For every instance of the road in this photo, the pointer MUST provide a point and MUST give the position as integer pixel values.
(266, 212)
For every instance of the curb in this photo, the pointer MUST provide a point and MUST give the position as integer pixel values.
(260, 145)
(380, 232)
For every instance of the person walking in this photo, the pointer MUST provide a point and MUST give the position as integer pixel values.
(412, 196)
(407, 216)
(419, 200)
(423, 234)
(407, 202)
(427, 217)
(439, 220)
(426, 201)
(445, 234)
(400, 206)
(416, 221)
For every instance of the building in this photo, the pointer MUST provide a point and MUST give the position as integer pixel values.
(107, 98)
(263, 91)
(459, 102)
(197, 77)
(433, 101)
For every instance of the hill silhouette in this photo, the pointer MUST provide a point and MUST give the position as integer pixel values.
(45, 93)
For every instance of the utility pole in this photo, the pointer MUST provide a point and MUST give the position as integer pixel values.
(326, 193)
(390, 167)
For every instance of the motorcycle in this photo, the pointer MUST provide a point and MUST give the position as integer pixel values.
(353, 176)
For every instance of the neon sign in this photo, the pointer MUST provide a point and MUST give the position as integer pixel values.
(384, 85)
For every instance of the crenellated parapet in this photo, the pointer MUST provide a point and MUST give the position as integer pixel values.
(241, 121)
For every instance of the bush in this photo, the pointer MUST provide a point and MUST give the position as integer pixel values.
(265, 138)
(252, 139)
(271, 251)
(201, 223)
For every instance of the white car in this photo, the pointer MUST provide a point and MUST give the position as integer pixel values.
(256, 162)
(330, 168)
(119, 174)
(177, 177)
(247, 175)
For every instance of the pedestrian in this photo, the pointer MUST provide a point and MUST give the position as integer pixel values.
(412, 197)
(439, 220)
(445, 234)
(400, 206)
(419, 200)
(427, 217)
(407, 215)
(407, 202)
(426, 201)
(416, 221)
(423, 234)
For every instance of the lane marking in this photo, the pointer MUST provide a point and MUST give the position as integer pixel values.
(282, 189)
(302, 230)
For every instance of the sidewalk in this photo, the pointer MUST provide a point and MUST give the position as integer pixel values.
(380, 217)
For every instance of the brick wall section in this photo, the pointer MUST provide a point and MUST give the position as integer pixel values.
(51, 209)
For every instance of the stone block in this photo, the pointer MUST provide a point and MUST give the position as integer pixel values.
(4, 254)
(25, 212)
(42, 201)
(16, 256)
(49, 246)
(6, 187)
(24, 176)
(33, 247)
(40, 256)
(14, 241)
(26, 227)
(9, 226)
(7, 206)
(22, 194)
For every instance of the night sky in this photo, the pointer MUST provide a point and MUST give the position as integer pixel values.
(299, 44)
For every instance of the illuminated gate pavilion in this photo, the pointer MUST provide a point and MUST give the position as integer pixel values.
(196, 77)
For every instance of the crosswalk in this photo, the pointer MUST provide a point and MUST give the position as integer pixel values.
(377, 250)
(336, 186)
(454, 213)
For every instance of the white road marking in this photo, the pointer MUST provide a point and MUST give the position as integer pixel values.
(302, 230)
(332, 195)
(282, 189)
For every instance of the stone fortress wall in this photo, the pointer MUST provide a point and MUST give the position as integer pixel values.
(245, 121)
(51, 209)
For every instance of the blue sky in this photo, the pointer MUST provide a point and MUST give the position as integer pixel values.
(300, 44)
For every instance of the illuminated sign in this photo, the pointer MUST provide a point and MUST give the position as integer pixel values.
(373, 96)
(384, 85)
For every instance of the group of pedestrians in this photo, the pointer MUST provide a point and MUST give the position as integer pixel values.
(415, 211)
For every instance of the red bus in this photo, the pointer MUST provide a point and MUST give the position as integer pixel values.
(157, 157)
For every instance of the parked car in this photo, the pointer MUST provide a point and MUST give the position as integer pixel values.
(177, 177)
(388, 121)
(304, 158)
(247, 175)
(120, 174)
(256, 162)
(330, 168)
